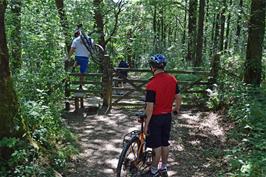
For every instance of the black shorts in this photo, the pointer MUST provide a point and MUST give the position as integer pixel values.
(159, 131)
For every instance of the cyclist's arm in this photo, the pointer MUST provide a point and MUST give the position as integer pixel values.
(71, 51)
(72, 48)
(177, 99)
(177, 102)
(150, 100)
(148, 111)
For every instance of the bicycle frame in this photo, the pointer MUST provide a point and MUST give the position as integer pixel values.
(141, 136)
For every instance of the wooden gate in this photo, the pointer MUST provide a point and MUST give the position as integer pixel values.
(193, 84)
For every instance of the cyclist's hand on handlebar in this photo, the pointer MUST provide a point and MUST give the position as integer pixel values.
(66, 59)
(146, 130)
(176, 112)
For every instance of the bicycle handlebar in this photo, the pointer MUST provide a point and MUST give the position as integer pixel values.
(175, 113)
(142, 116)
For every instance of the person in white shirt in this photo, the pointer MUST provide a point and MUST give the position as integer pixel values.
(81, 54)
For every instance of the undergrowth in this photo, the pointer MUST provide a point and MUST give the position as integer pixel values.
(244, 105)
(47, 145)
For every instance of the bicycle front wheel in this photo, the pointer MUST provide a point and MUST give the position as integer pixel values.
(128, 160)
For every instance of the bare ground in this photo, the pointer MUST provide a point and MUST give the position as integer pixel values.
(196, 150)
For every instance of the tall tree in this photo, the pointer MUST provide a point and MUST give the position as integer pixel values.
(63, 21)
(8, 100)
(192, 19)
(198, 59)
(128, 48)
(238, 28)
(155, 29)
(207, 16)
(228, 22)
(103, 41)
(185, 24)
(216, 30)
(253, 63)
(15, 42)
(99, 22)
(222, 26)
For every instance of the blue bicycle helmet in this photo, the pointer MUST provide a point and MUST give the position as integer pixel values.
(158, 61)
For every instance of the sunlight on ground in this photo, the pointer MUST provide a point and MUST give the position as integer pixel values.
(112, 162)
(101, 140)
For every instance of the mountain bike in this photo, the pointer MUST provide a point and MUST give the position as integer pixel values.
(96, 51)
(135, 158)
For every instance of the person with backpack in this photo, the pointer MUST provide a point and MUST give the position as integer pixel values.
(161, 92)
(81, 53)
(122, 74)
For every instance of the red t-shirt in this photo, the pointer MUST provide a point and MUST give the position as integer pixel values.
(161, 90)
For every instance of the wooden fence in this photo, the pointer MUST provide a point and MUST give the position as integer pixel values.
(193, 83)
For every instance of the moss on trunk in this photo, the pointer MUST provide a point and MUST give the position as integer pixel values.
(8, 108)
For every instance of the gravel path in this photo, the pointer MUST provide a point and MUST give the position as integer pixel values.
(197, 143)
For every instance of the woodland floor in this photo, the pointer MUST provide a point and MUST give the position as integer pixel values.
(197, 143)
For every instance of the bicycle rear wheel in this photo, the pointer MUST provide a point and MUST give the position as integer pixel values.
(128, 160)
(96, 53)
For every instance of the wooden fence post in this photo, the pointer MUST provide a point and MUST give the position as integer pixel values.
(106, 82)
(67, 92)
(215, 67)
(110, 87)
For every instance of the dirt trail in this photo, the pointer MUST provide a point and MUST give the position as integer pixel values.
(196, 144)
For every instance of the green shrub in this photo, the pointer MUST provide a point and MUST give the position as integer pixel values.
(243, 105)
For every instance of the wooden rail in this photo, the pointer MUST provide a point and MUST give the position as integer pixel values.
(189, 88)
(169, 71)
(133, 92)
(73, 93)
(147, 80)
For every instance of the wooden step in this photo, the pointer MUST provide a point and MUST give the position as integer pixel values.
(86, 82)
(86, 74)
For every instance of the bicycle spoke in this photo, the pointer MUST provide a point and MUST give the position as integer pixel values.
(131, 160)
(133, 151)
(96, 53)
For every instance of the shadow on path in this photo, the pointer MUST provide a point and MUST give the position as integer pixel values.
(196, 143)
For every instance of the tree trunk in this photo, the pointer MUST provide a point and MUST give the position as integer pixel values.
(155, 38)
(192, 19)
(238, 28)
(199, 48)
(163, 31)
(159, 35)
(216, 34)
(227, 39)
(8, 100)
(63, 21)
(169, 35)
(65, 27)
(205, 44)
(98, 17)
(222, 26)
(253, 64)
(15, 43)
(185, 25)
(129, 50)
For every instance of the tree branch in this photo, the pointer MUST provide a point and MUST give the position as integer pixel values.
(120, 5)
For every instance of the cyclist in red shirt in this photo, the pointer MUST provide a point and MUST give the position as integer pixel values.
(161, 92)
